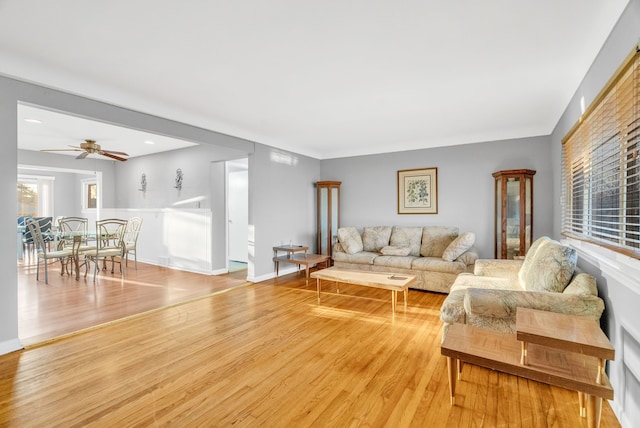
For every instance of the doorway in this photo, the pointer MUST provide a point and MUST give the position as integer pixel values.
(237, 214)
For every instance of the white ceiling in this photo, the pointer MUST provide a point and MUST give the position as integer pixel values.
(59, 131)
(326, 78)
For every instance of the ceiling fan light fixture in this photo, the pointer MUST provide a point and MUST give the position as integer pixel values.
(91, 147)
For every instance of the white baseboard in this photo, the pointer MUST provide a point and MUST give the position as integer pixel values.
(281, 271)
(8, 346)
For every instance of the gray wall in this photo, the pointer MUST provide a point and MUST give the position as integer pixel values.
(282, 204)
(617, 275)
(160, 170)
(281, 184)
(369, 191)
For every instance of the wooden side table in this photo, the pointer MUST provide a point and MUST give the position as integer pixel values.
(567, 332)
(565, 352)
(289, 250)
(302, 259)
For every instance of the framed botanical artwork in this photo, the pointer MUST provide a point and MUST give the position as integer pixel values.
(418, 191)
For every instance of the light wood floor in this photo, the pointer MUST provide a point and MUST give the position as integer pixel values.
(64, 306)
(268, 355)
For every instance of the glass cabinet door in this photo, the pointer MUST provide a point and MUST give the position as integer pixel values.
(513, 212)
(328, 215)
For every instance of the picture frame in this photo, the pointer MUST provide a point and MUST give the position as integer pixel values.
(418, 191)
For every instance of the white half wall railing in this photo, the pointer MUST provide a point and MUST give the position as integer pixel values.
(175, 238)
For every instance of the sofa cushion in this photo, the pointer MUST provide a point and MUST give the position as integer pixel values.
(395, 251)
(435, 239)
(458, 246)
(350, 240)
(551, 267)
(526, 264)
(436, 264)
(468, 280)
(402, 262)
(407, 237)
(363, 257)
(375, 238)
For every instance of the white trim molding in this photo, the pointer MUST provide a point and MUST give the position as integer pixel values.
(9, 346)
(624, 269)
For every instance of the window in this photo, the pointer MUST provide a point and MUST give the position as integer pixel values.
(601, 169)
(35, 195)
(89, 194)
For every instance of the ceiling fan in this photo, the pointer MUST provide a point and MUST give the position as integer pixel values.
(91, 147)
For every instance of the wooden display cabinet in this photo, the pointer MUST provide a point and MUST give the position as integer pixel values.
(513, 212)
(328, 215)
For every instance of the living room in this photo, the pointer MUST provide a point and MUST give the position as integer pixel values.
(369, 194)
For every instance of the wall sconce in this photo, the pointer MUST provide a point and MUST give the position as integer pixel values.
(143, 183)
(178, 179)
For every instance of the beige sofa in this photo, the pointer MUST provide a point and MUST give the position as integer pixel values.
(436, 255)
(547, 279)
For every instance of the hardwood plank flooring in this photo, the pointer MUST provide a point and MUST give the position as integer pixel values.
(267, 354)
(65, 306)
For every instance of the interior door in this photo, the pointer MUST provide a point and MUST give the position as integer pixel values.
(238, 215)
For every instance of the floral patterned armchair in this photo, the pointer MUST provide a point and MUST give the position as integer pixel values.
(547, 279)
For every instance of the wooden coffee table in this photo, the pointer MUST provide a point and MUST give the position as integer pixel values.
(386, 281)
(560, 350)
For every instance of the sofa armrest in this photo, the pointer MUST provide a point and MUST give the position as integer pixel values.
(504, 303)
(469, 257)
(501, 268)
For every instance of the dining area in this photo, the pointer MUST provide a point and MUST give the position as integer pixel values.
(74, 244)
(67, 302)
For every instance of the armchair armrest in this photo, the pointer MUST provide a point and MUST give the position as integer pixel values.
(504, 303)
(500, 268)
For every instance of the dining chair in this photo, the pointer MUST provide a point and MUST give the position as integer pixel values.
(73, 233)
(46, 229)
(78, 257)
(26, 239)
(131, 239)
(42, 251)
(109, 245)
(70, 227)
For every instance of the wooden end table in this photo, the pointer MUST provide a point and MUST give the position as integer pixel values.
(568, 332)
(550, 355)
(300, 259)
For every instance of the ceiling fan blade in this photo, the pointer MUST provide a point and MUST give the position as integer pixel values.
(109, 155)
(82, 155)
(60, 150)
(115, 153)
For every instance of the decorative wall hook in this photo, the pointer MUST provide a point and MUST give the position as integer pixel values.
(143, 183)
(178, 179)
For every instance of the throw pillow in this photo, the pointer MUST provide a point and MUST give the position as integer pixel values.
(407, 237)
(436, 239)
(350, 239)
(459, 246)
(395, 251)
(551, 267)
(375, 238)
(528, 259)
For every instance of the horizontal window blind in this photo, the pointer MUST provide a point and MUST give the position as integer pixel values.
(601, 166)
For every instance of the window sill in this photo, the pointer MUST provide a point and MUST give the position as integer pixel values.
(622, 268)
